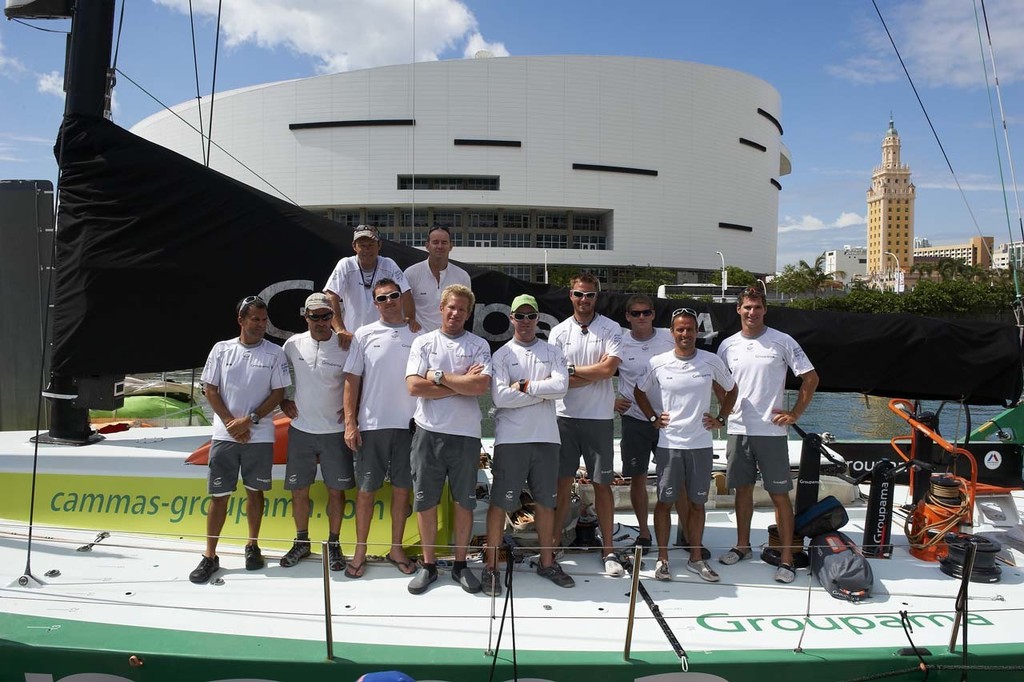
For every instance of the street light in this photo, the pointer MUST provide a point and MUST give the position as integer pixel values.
(723, 275)
(897, 275)
(764, 287)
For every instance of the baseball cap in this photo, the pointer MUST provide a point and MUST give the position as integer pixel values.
(366, 231)
(317, 301)
(524, 299)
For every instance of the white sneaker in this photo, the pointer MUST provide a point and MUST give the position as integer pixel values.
(662, 572)
(613, 567)
(703, 569)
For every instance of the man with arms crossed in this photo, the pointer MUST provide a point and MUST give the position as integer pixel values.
(351, 283)
(639, 435)
(586, 416)
(245, 380)
(428, 278)
(686, 378)
(316, 432)
(758, 357)
(529, 376)
(448, 369)
(378, 409)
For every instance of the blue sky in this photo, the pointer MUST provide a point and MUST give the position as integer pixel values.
(830, 59)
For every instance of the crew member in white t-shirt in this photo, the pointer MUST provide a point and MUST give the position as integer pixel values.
(686, 378)
(758, 356)
(448, 369)
(351, 286)
(641, 342)
(591, 344)
(378, 411)
(316, 434)
(529, 376)
(245, 379)
(428, 278)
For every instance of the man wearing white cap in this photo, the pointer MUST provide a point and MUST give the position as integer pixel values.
(529, 376)
(317, 432)
(352, 281)
(429, 277)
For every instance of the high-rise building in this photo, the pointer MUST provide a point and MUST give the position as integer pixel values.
(976, 251)
(890, 210)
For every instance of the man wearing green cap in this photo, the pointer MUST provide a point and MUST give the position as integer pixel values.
(529, 376)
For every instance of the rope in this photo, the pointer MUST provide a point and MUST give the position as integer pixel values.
(199, 99)
(663, 624)
(213, 85)
(509, 609)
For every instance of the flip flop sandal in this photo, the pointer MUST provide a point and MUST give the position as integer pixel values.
(401, 565)
(354, 570)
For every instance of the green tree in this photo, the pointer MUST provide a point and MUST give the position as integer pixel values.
(737, 277)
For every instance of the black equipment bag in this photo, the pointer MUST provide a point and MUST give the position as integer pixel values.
(826, 515)
(840, 567)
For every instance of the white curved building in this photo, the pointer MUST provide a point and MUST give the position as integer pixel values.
(592, 162)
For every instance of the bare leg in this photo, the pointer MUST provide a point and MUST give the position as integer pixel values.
(561, 510)
(695, 530)
(364, 512)
(543, 519)
(254, 513)
(785, 523)
(638, 497)
(399, 509)
(427, 522)
(300, 509)
(335, 505)
(463, 529)
(744, 513)
(215, 523)
(683, 511)
(495, 524)
(662, 528)
(604, 503)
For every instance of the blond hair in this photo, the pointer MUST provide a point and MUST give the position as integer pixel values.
(458, 290)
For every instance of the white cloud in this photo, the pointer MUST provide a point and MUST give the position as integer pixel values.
(939, 43)
(809, 223)
(9, 66)
(51, 84)
(343, 35)
(476, 43)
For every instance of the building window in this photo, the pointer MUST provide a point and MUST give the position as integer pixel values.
(516, 240)
(346, 218)
(482, 239)
(518, 221)
(547, 221)
(382, 220)
(588, 241)
(586, 223)
(448, 218)
(552, 241)
(449, 182)
(486, 220)
(407, 219)
(418, 238)
(523, 272)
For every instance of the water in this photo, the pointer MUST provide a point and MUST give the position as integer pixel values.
(845, 415)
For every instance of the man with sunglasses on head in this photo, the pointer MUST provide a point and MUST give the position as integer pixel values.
(591, 344)
(448, 369)
(685, 378)
(378, 410)
(529, 376)
(245, 378)
(428, 278)
(351, 285)
(758, 356)
(316, 433)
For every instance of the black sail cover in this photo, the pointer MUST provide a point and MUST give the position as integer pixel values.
(154, 251)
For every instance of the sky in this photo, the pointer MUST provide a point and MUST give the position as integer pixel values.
(839, 77)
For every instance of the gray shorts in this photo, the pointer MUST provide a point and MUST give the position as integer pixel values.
(638, 443)
(439, 455)
(255, 460)
(747, 455)
(532, 464)
(305, 449)
(591, 438)
(384, 453)
(688, 470)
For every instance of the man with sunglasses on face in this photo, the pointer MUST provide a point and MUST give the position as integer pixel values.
(378, 409)
(591, 344)
(758, 356)
(351, 284)
(448, 369)
(641, 342)
(529, 376)
(316, 433)
(245, 378)
(428, 278)
(685, 378)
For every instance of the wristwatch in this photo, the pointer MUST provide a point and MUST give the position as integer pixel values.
(720, 419)
(653, 418)
(254, 418)
(571, 369)
(438, 376)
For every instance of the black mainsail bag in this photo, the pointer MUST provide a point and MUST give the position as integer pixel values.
(840, 567)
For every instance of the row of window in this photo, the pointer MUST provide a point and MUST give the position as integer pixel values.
(493, 239)
(386, 220)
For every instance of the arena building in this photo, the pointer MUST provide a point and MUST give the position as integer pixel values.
(599, 163)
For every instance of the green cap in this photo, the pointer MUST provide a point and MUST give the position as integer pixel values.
(524, 299)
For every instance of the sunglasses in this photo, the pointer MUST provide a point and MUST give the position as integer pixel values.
(249, 300)
(321, 316)
(243, 308)
(640, 313)
(384, 298)
(583, 294)
(519, 317)
(684, 311)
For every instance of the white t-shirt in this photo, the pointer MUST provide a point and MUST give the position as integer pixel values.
(426, 290)
(378, 354)
(355, 288)
(685, 387)
(458, 415)
(603, 337)
(527, 417)
(244, 377)
(318, 367)
(759, 366)
(635, 363)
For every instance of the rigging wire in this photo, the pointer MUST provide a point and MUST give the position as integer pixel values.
(213, 85)
(40, 28)
(117, 41)
(199, 99)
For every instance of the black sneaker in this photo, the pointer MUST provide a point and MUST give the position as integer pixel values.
(298, 552)
(205, 570)
(643, 543)
(555, 574)
(254, 560)
(490, 582)
(467, 579)
(423, 579)
(335, 558)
